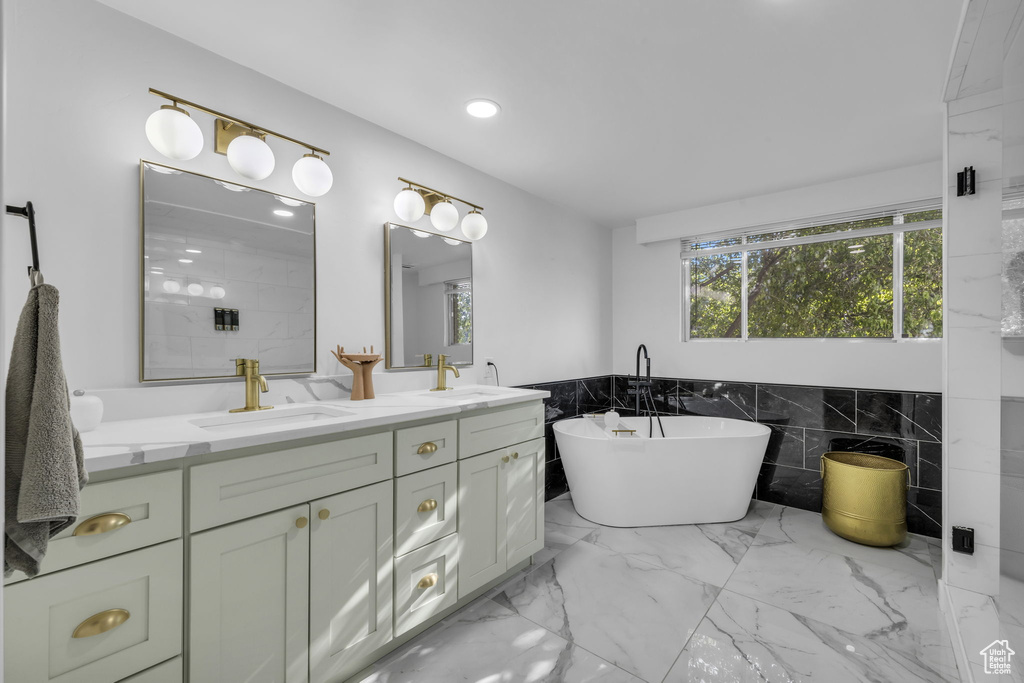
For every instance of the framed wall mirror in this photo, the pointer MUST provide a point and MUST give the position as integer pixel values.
(428, 298)
(227, 271)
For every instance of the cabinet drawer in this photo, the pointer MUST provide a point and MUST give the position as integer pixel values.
(491, 431)
(425, 507)
(170, 671)
(41, 615)
(124, 514)
(426, 582)
(418, 448)
(227, 491)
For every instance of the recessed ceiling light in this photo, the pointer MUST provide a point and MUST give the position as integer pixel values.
(283, 212)
(184, 260)
(193, 251)
(482, 109)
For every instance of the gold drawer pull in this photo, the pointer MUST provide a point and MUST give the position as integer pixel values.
(101, 623)
(504, 458)
(427, 581)
(427, 448)
(301, 522)
(427, 506)
(324, 514)
(515, 456)
(101, 524)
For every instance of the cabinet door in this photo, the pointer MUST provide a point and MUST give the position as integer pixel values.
(482, 510)
(351, 581)
(250, 600)
(525, 486)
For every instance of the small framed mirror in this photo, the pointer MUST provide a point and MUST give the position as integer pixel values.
(428, 298)
(227, 271)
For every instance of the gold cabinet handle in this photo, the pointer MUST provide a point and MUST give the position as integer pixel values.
(428, 505)
(105, 621)
(324, 514)
(101, 524)
(301, 522)
(427, 581)
(515, 456)
(504, 458)
(427, 448)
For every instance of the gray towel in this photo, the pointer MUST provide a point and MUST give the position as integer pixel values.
(45, 470)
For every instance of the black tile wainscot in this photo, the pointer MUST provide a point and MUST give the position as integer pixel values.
(806, 421)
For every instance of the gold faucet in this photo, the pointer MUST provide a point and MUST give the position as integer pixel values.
(441, 377)
(254, 384)
(428, 360)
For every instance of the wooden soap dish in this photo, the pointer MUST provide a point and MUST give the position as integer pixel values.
(361, 365)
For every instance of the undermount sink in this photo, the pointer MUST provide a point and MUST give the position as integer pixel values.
(275, 417)
(465, 394)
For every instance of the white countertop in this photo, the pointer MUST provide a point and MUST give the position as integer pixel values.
(134, 442)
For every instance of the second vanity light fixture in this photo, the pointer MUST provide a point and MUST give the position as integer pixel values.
(174, 134)
(411, 204)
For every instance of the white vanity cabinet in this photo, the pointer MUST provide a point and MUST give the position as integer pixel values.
(293, 595)
(501, 512)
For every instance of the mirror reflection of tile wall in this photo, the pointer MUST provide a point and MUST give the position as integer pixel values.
(208, 247)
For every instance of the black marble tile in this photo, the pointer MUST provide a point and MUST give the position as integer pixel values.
(819, 442)
(924, 512)
(790, 486)
(662, 400)
(908, 416)
(719, 399)
(563, 402)
(550, 443)
(594, 394)
(786, 447)
(554, 482)
(929, 465)
(814, 407)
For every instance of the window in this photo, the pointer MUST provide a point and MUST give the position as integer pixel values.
(458, 298)
(1013, 265)
(875, 276)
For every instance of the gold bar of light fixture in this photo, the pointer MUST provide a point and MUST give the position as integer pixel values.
(425, 191)
(244, 124)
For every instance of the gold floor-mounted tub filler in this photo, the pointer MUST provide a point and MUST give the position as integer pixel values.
(864, 497)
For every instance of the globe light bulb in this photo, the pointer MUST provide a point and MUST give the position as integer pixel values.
(195, 289)
(312, 176)
(474, 225)
(217, 292)
(173, 133)
(172, 286)
(409, 205)
(444, 216)
(250, 157)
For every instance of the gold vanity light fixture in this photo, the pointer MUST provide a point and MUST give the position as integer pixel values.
(415, 200)
(174, 134)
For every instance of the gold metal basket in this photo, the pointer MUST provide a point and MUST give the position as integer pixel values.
(864, 497)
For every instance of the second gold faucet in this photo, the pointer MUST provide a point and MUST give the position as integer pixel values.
(442, 367)
(254, 384)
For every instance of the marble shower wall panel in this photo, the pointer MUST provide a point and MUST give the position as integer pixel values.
(972, 236)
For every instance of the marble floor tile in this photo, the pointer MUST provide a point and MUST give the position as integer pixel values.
(486, 642)
(633, 614)
(808, 530)
(560, 518)
(895, 608)
(706, 553)
(743, 640)
(757, 513)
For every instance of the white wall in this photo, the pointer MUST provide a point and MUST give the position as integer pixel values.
(647, 300)
(78, 101)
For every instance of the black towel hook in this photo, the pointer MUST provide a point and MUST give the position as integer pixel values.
(28, 212)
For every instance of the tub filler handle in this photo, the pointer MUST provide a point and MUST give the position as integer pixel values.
(623, 431)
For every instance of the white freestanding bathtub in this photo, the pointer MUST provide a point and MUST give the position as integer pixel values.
(703, 470)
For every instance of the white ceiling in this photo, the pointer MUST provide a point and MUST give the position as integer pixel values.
(617, 108)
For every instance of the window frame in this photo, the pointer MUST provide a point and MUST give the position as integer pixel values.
(897, 230)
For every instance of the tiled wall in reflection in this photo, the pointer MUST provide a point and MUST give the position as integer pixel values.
(805, 421)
